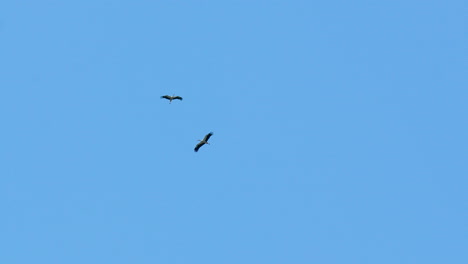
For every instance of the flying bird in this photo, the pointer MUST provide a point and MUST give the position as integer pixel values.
(203, 142)
(170, 98)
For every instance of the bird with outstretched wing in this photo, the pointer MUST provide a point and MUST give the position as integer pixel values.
(203, 141)
(170, 98)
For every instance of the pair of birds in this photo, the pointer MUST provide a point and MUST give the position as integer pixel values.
(205, 139)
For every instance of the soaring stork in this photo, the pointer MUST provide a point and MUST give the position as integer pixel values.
(203, 142)
(170, 98)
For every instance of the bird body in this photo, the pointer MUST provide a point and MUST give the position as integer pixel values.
(170, 98)
(203, 141)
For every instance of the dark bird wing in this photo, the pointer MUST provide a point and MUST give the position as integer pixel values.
(177, 97)
(208, 136)
(198, 146)
(166, 97)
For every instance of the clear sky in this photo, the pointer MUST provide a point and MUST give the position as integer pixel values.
(340, 132)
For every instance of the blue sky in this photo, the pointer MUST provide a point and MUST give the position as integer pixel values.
(340, 132)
